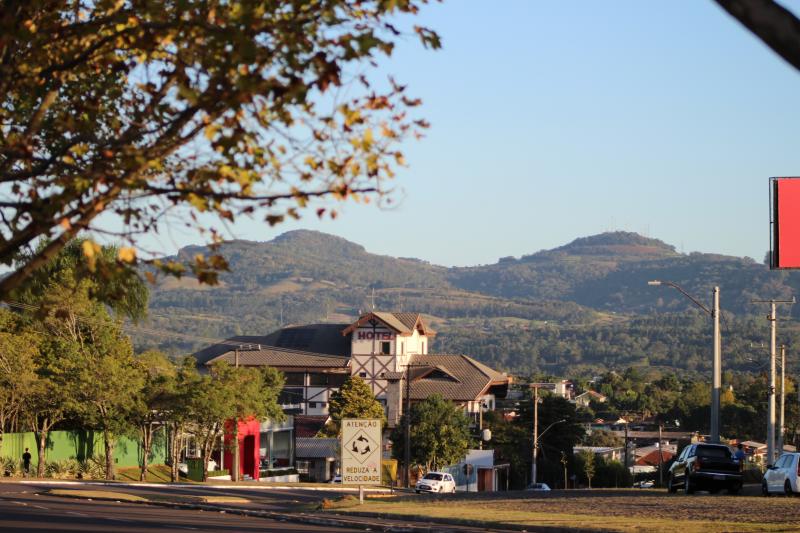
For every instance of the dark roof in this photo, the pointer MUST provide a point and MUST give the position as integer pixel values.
(312, 338)
(282, 358)
(316, 448)
(455, 377)
(307, 426)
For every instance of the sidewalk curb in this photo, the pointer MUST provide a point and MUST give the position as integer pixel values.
(353, 490)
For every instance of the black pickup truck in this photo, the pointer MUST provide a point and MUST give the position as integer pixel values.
(703, 466)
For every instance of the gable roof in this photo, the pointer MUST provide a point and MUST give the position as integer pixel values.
(456, 377)
(402, 323)
(283, 358)
(593, 394)
(312, 338)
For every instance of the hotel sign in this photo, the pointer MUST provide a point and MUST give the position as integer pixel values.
(361, 452)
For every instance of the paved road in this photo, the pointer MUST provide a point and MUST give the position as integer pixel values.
(22, 510)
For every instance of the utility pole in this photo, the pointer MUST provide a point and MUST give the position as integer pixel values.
(773, 319)
(480, 425)
(235, 431)
(407, 449)
(626, 444)
(783, 399)
(716, 369)
(660, 458)
(535, 431)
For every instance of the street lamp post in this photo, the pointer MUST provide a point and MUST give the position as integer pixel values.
(773, 320)
(716, 367)
(536, 444)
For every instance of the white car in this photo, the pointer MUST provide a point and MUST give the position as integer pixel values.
(436, 482)
(538, 487)
(782, 477)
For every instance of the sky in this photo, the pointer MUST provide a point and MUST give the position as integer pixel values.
(553, 120)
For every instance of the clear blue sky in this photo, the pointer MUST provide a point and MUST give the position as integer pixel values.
(553, 120)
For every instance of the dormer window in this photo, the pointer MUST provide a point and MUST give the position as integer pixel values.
(386, 348)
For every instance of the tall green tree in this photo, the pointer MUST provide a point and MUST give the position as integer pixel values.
(588, 465)
(354, 399)
(154, 401)
(155, 111)
(18, 378)
(227, 394)
(440, 433)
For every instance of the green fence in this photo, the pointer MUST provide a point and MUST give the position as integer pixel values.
(83, 444)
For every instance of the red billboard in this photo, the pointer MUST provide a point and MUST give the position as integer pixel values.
(785, 220)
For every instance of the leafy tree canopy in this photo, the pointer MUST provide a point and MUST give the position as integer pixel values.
(439, 433)
(160, 112)
(354, 399)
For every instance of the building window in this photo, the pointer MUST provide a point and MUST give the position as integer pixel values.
(362, 374)
(317, 379)
(402, 348)
(386, 347)
(312, 405)
(294, 378)
(337, 380)
(290, 396)
(302, 466)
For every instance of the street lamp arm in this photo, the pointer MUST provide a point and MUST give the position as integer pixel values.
(548, 427)
(679, 288)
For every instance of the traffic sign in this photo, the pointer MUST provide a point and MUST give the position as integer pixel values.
(361, 452)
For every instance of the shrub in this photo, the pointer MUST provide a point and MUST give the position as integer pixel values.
(10, 466)
(64, 469)
(93, 468)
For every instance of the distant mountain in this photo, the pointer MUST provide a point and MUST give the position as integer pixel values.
(589, 285)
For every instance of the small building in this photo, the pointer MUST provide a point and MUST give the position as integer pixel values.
(608, 453)
(317, 459)
(589, 396)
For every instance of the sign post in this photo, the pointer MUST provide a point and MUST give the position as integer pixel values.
(361, 453)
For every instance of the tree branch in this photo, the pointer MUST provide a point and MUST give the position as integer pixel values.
(775, 25)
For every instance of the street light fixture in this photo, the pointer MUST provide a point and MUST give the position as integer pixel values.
(536, 444)
(716, 367)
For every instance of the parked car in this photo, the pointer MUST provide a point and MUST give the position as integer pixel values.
(539, 487)
(436, 482)
(782, 477)
(705, 466)
(644, 484)
(336, 479)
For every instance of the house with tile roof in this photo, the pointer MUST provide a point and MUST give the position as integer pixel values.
(379, 347)
(390, 351)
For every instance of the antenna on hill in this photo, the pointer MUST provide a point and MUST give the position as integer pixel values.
(373, 299)
(281, 319)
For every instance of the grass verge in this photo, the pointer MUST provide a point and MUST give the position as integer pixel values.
(496, 514)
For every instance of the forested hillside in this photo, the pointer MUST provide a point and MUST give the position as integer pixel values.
(586, 303)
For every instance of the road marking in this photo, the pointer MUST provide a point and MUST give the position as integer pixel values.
(185, 527)
(19, 503)
(77, 513)
(41, 507)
